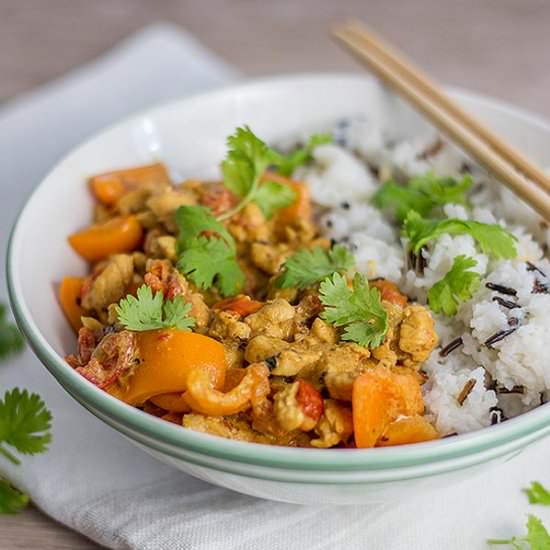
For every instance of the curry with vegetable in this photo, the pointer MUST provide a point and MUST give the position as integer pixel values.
(221, 307)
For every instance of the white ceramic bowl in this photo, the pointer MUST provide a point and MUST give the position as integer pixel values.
(189, 136)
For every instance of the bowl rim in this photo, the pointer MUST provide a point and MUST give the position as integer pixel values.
(238, 451)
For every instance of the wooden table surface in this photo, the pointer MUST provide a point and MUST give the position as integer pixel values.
(498, 47)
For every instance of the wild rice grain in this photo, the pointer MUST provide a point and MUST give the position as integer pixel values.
(451, 346)
(502, 289)
(466, 390)
(499, 336)
(505, 303)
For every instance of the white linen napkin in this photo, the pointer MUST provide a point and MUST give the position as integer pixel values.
(95, 481)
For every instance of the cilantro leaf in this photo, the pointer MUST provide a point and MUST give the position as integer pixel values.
(458, 285)
(11, 500)
(151, 312)
(193, 221)
(492, 239)
(247, 159)
(272, 196)
(207, 251)
(208, 262)
(537, 494)
(24, 424)
(358, 309)
(421, 194)
(537, 537)
(286, 164)
(307, 267)
(11, 341)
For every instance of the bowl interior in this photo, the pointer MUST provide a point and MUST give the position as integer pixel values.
(189, 136)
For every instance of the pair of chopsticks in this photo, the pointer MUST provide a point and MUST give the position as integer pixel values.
(500, 158)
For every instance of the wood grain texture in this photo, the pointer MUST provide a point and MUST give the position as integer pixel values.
(498, 47)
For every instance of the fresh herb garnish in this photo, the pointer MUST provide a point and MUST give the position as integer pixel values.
(492, 239)
(151, 311)
(307, 267)
(537, 494)
(247, 159)
(207, 251)
(537, 537)
(421, 194)
(358, 309)
(24, 424)
(286, 164)
(11, 341)
(11, 499)
(458, 285)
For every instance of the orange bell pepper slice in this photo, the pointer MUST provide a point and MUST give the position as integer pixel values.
(242, 305)
(108, 188)
(99, 241)
(413, 429)
(167, 357)
(70, 293)
(173, 402)
(379, 397)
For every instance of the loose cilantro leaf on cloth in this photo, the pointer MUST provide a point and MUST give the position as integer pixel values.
(492, 239)
(358, 309)
(458, 285)
(537, 494)
(11, 341)
(247, 159)
(286, 164)
(537, 537)
(307, 267)
(11, 500)
(421, 194)
(24, 424)
(207, 251)
(152, 312)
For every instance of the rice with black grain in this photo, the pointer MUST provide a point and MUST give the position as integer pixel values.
(499, 338)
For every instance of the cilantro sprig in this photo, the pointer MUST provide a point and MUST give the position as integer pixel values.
(244, 171)
(492, 239)
(11, 499)
(24, 424)
(537, 494)
(537, 537)
(11, 341)
(307, 267)
(421, 194)
(358, 309)
(458, 285)
(247, 159)
(207, 251)
(151, 311)
(287, 164)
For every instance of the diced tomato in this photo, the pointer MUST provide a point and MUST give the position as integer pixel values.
(310, 400)
(242, 305)
(389, 292)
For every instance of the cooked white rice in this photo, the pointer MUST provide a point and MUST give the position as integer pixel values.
(513, 374)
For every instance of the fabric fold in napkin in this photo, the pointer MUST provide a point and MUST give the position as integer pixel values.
(96, 482)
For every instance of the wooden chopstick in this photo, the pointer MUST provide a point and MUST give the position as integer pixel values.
(501, 159)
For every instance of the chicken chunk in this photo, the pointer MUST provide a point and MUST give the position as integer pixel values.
(262, 347)
(298, 406)
(275, 319)
(342, 365)
(417, 335)
(225, 325)
(111, 283)
(335, 426)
